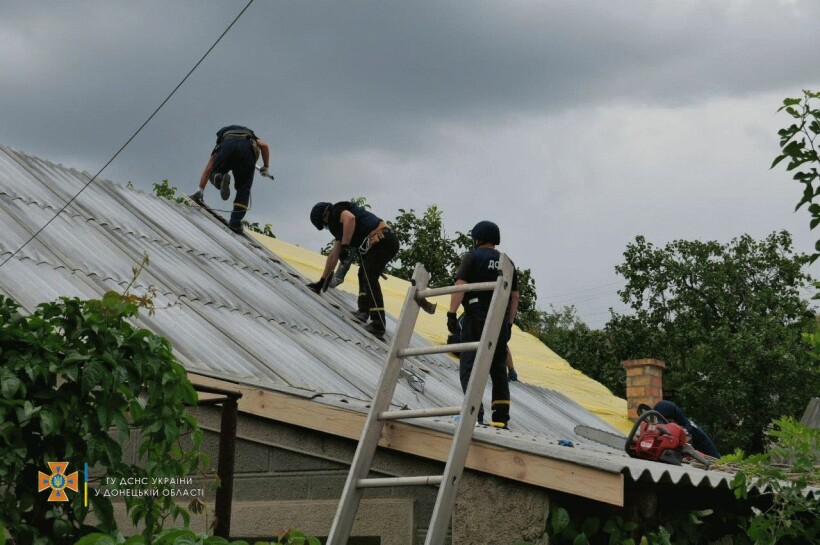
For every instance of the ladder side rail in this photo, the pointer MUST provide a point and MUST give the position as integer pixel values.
(371, 433)
(454, 468)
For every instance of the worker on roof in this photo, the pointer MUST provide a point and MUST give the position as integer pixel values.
(237, 149)
(358, 230)
(700, 439)
(481, 264)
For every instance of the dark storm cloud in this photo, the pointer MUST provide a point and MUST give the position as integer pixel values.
(591, 120)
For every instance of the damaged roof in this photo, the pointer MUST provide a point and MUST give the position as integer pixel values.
(236, 312)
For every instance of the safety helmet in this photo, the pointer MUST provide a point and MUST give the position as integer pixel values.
(486, 231)
(317, 214)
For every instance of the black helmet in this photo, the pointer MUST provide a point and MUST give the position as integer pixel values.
(486, 231)
(317, 214)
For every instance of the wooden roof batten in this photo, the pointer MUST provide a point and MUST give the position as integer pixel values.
(525, 467)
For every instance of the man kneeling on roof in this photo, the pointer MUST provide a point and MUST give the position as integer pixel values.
(358, 230)
(481, 264)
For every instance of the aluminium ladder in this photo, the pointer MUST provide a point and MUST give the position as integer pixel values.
(357, 479)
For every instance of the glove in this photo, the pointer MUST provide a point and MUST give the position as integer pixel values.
(319, 286)
(512, 376)
(452, 322)
(344, 253)
(264, 172)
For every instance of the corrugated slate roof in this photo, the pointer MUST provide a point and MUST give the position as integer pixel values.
(238, 313)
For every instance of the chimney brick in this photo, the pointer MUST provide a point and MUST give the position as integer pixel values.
(644, 383)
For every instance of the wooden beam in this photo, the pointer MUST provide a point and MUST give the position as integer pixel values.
(512, 464)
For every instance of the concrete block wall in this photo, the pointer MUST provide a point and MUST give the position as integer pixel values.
(277, 462)
(290, 477)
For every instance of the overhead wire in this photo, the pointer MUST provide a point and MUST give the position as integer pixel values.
(111, 160)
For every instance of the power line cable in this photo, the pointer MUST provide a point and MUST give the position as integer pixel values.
(593, 288)
(191, 71)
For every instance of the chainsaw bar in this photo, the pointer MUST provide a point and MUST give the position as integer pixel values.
(607, 438)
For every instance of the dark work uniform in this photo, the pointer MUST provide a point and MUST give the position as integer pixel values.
(373, 256)
(700, 439)
(482, 265)
(236, 151)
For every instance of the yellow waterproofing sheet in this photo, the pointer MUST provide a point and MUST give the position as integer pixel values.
(534, 361)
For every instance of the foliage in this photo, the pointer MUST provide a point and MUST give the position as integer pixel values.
(799, 144)
(590, 351)
(72, 372)
(184, 536)
(789, 465)
(167, 191)
(528, 317)
(728, 321)
(267, 230)
(423, 240)
(578, 528)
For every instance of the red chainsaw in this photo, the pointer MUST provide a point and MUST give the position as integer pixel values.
(651, 438)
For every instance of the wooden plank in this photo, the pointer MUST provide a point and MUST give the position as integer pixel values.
(512, 464)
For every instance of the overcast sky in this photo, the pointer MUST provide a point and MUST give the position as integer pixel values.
(574, 125)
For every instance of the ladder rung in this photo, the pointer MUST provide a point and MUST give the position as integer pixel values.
(399, 481)
(477, 286)
(419, 413)
(457, 347)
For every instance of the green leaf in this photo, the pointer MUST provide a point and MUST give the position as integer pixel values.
(10, 385)
(96, 538)
(46, 423)
(559, 519)
(580, 539)
(92, 375)
(778, 159)
(590, 526)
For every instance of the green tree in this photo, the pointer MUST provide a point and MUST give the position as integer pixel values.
(528, 317)
(785, 511)
(728, 320)
(799, 144)
(77, 378)
(423, 240)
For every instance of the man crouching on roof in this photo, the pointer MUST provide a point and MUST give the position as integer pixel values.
(356, 229)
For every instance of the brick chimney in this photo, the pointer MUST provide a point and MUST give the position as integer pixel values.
(644, 383)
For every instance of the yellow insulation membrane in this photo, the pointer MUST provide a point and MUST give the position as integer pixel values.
(534, 361)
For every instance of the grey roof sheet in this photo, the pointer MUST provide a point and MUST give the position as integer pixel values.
(237, 312)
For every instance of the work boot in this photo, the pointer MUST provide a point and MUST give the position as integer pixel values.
(197, 198)
(237, 228)
(361, 316)
(223, 182)
(375, 329)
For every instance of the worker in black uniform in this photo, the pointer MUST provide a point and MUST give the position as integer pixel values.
(237, 149)
(481, 264)
(700, 439)
(358, 230)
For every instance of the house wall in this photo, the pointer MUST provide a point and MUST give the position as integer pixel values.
(291, 477)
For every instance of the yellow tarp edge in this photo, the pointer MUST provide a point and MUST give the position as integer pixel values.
(535, 362)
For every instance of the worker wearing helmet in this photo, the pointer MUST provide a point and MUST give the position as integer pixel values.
(237, 149)
(358, 230)
(481, 264)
